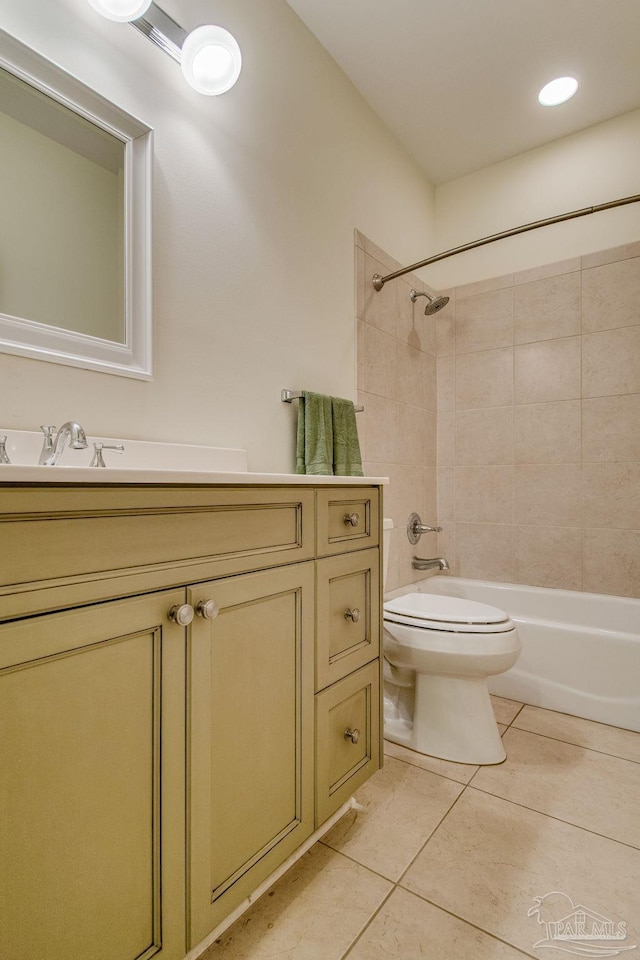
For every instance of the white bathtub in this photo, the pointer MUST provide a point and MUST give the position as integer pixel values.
(581, 651)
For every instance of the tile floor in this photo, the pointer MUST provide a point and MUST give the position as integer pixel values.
(445, 861)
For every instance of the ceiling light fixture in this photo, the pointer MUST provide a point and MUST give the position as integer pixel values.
(557, 91)
(209, 56)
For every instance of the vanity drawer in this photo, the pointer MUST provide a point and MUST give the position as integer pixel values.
(347, 738)
(347, 614)
(347, 519)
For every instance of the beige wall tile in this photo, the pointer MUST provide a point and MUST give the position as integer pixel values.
(446, 546)
(484, 436)
(548, 309)
(410, 373)
(446, 380)
(417, 434)
(445, 331)
(547, 270)
(611, 428)
(405, 492)
(484, 379)
(446, 494)
(548, 557)
(484, 321)
(547, 494)
(484, 494)
(430, 377)
(624, 252)
(484, 551)
(360, 282)
(611, 362)
(611, 295)
(547, 371)
(611, 495)
(446, 456)
(361, 333)
(490, 859)
(380, 307)
(483, 286)
(382, 429)
(611, 562)
(380, 363)
(548, 432)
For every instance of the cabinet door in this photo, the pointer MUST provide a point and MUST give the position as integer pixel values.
(91, 792)
(347, 738)
(250, 710)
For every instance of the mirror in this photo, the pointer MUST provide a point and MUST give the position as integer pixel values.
(75, 229)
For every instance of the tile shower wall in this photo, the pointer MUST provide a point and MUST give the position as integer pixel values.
(538, 392)
(396, 378)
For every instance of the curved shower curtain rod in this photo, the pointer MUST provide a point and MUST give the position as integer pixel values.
(379, 282)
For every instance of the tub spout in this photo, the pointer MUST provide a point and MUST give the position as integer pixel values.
(421, 563)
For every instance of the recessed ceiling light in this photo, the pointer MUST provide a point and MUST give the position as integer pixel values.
(558, 91)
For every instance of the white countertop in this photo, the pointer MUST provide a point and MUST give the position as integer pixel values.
(147, 462)
(10, 473)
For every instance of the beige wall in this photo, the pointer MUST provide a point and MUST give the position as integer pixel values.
(538, 426)
(256, 196)
(397, 386)
(591, 167)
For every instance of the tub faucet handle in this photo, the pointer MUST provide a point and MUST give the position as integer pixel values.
(415, 528)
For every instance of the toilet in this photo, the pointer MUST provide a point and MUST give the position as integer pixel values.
(439, 653)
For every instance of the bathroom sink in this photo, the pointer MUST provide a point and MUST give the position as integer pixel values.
(23, 448)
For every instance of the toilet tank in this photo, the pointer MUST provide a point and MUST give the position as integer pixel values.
(387, 526)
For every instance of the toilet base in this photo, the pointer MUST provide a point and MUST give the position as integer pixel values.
(453, 719)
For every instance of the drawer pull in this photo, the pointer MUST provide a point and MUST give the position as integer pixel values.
(353, 735)
(351, 519)
(353, 615)
(182, 614)
(207, 609)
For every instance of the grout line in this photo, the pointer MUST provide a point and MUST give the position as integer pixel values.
(437, 827)
(469, 923)
(581, 746)
(550, 816)
(368, 923)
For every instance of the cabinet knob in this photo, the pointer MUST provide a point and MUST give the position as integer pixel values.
(351, 519)
(353, 735)
(207, 609)
(182, 613)
(353, 615)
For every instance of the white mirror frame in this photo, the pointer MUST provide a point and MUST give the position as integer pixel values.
(28, 338)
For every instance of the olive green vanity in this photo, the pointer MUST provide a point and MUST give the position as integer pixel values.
(189, 689)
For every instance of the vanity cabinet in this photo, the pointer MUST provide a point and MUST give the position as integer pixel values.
(156, 771)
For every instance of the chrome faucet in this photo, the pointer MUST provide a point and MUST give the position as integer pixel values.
(415, 528)
(420, 563)
(52, 449)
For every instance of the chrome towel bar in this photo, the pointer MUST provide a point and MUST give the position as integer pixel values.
(288, 396)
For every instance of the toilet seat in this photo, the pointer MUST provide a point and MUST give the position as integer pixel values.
(446, 614)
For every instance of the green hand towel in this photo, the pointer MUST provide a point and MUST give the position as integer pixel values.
(347, 461)
(314, 454)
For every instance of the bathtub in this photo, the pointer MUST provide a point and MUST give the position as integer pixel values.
(580, 654)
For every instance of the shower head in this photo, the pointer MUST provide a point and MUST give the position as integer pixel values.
(435, 303)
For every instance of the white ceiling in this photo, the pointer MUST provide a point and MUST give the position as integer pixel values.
(456, 81)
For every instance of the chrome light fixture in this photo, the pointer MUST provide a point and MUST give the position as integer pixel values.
(209, 56)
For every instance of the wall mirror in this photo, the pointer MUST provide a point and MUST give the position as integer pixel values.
(75, 229)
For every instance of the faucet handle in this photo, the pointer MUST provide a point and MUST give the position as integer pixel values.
(415, 528)
(47, 429)
(98, 459)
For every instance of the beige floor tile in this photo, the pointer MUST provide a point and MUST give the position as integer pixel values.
(407, 927)
(589, 789)
(505, 710)
(462, 772)
(502, 728)
(584, 733)
(396, 812)
(489, 859)
(310, 914)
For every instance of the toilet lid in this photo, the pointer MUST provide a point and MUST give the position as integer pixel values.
(429, 608)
